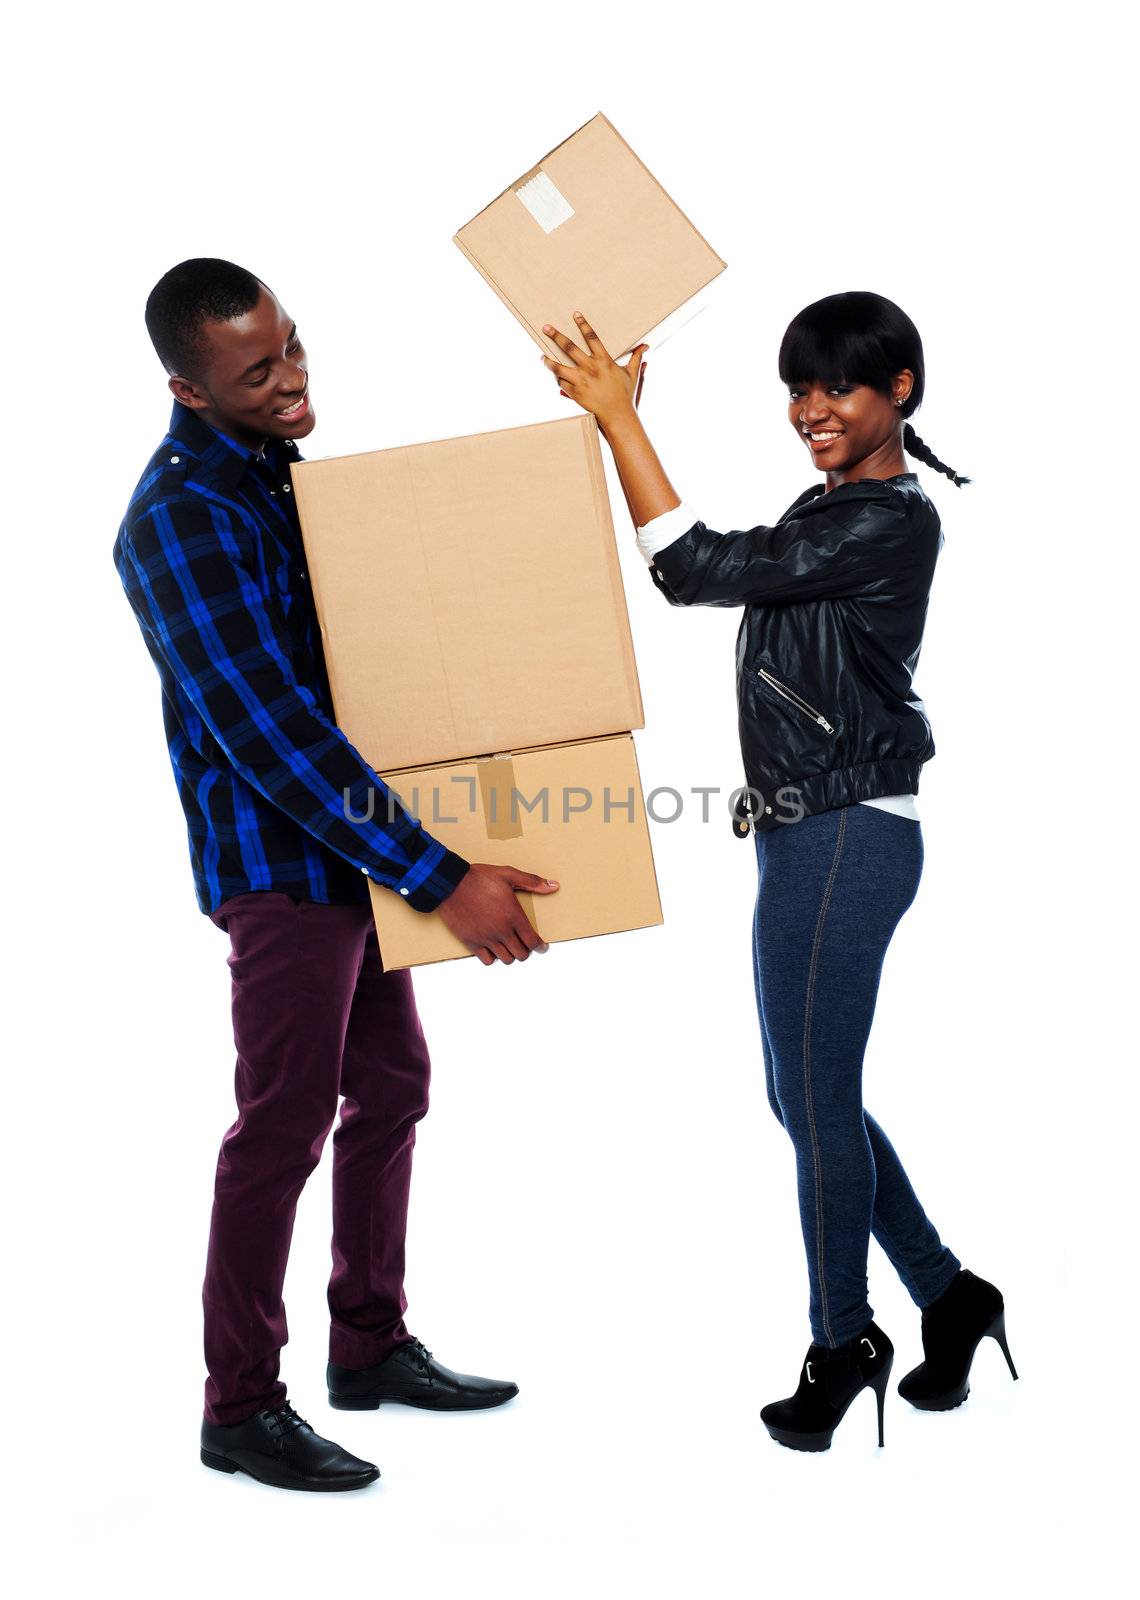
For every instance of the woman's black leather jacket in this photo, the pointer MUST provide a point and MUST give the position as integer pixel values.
(835, 597)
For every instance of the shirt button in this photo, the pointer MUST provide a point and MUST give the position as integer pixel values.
(365, 871)
(174, 460)
(285, 488)
(403, 891)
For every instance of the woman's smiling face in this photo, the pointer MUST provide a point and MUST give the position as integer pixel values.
(843, 425)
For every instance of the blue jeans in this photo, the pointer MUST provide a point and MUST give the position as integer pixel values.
(832, 889)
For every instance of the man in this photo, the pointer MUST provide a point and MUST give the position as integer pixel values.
(211, 557)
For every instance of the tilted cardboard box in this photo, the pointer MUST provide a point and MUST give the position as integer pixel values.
(589, 229)
(473, 621)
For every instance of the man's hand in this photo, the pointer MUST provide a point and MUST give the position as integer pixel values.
(595, 379)
(483, 911)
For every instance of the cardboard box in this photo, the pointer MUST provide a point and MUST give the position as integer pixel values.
(469, 594)
(475, 632)
(589, 229)
(570, 812)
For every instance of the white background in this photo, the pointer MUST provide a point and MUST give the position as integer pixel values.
(603, 1207)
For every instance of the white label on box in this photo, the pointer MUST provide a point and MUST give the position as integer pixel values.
(549, 208)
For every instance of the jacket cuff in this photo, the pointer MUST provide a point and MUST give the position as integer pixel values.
(663, 530)
(669, 569)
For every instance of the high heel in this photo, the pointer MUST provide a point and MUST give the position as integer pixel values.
(880, 1387)
(997, 1331)
(953, 1326)
(830, 1379)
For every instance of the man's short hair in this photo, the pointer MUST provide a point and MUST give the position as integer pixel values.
(204, 289)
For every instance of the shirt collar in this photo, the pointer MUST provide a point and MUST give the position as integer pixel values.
(218, 455)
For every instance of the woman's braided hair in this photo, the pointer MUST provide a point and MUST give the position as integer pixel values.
(860, 337)
(915, 447)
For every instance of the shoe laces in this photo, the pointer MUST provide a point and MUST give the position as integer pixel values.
(284, 1420)
(422, 1352)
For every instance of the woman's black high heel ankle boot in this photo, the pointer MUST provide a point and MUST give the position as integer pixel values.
(830, 1380)
(953, 1326)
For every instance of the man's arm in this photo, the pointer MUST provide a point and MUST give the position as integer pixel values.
(191, 578)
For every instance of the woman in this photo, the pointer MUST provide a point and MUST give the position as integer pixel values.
(833, 738)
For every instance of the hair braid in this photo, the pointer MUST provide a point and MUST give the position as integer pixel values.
(914, 446)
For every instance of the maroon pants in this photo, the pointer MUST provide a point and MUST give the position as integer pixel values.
(315, 1017)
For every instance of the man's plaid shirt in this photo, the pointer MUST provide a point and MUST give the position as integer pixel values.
(211, 558)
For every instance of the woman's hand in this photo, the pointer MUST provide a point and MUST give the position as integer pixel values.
(600, 384)
(608, 390)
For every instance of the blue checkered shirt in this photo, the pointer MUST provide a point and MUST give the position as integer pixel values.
(211, 558)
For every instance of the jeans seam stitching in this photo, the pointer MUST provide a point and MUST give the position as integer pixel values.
(810, 1107)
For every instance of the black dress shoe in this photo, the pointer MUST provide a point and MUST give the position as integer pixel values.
(413, 1377)
(953, 1326)
(279, 1448)
(830, 1379)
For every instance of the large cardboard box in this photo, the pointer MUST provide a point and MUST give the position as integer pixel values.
(469, 594)
(570, 812)
(589, 229)
(475, 632)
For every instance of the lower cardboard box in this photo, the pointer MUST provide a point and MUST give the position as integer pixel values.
(571, 812)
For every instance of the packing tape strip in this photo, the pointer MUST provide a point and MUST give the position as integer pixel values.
(544, 200)
(496, 789)
(496, 784)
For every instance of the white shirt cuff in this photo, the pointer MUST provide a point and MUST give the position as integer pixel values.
(666, 528)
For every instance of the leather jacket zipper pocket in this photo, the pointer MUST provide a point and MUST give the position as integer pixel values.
(790, 694)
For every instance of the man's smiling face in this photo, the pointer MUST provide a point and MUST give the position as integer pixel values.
(252, 377)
